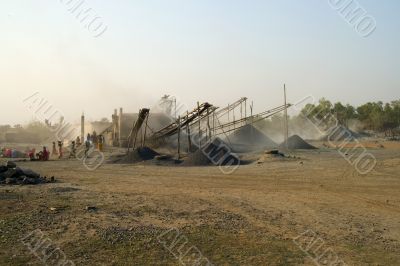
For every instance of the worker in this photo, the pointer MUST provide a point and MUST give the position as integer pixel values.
(78, 141)
(73, 150)
(32, 154)
(54, 150)
(94, 138)
(45, 154)
(60, 151)
(100, 143)
(87, 147)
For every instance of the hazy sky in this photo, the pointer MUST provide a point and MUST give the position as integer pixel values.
(206, 50)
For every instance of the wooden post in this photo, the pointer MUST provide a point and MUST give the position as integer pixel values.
(229, 106)
(119, 128)
(251, 117)
(188, 133)
(241, 110)
(245, 109)
(145, 130)
(251, 112)
(286, 127)
(175, 107)
(234, 126)
(136, 133)
(214, 124)
(141, 137)
(83, 128)
(179, 137)
(208, 125)
(115, 128)
(198, 115)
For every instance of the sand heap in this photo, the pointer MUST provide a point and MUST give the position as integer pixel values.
(340, 133)
(249, 138)
(11, 174)
(295, 142)
(137, 155)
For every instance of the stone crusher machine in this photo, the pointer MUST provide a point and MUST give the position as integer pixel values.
(202, 111)
(239, 123)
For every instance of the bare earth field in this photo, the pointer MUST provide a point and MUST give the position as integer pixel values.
(247, 218)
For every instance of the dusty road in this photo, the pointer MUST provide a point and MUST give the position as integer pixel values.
(250, 217)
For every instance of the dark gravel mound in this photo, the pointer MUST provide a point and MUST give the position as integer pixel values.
(214, 150)
(249, 138)
(137, 155)
(297, 143)
(340, 133)
(198, 158)
(11, 174)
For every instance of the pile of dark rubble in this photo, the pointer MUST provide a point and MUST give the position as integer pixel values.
(11, 174)
(135, 156)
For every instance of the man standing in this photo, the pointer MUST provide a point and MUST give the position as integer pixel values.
(87, 147)
(100, 143)
(78, 141)
(73, 150)
(54, 151)
(45, 154)
(60, 151)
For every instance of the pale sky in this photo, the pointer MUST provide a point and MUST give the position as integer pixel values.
(204, 50)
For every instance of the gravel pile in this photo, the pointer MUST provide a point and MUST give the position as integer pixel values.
(249, 138)
(215, 150)
(137, 155)
(198, 158)
(295, 142)
(340, 133)
(11, 174)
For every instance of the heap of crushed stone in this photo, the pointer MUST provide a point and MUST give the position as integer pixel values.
(249, 138)
(340, 133)
(11, 174)
(201, 157)
(295, 142)
(137, 155)
(197, 158)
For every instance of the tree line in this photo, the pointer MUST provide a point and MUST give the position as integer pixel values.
(376, 116)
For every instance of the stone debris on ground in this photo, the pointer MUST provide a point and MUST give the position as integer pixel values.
(217, 151)
(197, 158)
(276, 155)
(271, 155)
(135, 156)
(295, 142)
(11, 174)
(275, 152)
(91, 208)
(340, 133)
(249, 138)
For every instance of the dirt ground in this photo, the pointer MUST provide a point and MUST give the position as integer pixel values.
(249, 217)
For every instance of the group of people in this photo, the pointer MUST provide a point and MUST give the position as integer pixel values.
(42, 155)
(11, 153)
(58, 152)
(57, 149)
(96, 140)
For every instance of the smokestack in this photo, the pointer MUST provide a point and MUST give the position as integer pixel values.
(82, 127)
(119, 127)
